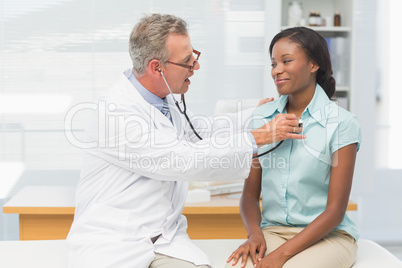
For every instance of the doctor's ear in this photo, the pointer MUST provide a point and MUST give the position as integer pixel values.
(155, 66)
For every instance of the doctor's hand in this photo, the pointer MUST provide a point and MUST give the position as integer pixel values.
(254, 244)
(263, 101)
(282, 127)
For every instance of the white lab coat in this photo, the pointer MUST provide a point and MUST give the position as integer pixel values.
(125, 196)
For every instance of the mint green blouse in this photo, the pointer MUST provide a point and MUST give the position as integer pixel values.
(295, 176)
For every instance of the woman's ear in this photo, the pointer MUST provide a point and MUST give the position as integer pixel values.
(314, 66)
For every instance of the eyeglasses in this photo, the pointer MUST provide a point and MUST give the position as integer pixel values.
(190, 67)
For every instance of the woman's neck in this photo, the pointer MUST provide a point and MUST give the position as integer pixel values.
(297, 103)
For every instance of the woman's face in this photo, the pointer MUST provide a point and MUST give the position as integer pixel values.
(292, 71)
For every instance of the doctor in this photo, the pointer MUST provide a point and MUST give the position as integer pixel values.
(133, 184)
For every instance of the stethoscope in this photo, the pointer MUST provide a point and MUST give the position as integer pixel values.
(279, 144)
(191, 125)
(183, 112)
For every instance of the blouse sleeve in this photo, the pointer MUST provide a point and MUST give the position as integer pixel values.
(348, 132)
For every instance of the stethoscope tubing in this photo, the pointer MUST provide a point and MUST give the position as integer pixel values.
(183, 112)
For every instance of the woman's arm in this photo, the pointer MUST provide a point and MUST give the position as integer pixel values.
(343, 162)
(251, 215)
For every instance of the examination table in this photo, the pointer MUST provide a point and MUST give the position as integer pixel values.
(53, 253)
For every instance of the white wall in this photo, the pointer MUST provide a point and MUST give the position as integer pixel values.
(379, 215)
(363, 90)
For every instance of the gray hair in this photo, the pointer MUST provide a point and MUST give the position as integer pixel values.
(148, 39)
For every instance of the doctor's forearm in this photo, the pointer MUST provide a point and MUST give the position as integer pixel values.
(183, 160)
(222, 124)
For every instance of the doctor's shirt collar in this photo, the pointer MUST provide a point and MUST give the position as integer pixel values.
(145, 93)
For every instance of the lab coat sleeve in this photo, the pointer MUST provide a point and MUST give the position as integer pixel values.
(145, 143)
(222, 126)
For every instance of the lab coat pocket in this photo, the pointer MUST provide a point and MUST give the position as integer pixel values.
(106, 223)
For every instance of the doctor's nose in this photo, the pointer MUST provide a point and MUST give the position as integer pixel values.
(197, 66)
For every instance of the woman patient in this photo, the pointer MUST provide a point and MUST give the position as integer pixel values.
(305, 184)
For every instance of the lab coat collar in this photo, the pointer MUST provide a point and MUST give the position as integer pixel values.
(134, 96)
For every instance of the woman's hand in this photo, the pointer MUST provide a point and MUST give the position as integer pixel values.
(272, 260)
(255, 243)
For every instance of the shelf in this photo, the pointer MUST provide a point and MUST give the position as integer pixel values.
(340, 29)
(338, 38)
(342, 89)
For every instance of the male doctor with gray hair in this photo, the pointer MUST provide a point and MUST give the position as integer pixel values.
(133, 184)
